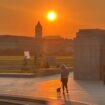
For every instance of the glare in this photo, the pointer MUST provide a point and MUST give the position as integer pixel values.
(51, 15)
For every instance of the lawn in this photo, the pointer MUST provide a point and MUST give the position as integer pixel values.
(17, 62)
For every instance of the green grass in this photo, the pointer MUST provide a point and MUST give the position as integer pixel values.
(18, 61)
(67, 60)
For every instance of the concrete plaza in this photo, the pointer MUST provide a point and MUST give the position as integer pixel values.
(90, 92)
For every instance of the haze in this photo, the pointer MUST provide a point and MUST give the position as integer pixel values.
(19, 17)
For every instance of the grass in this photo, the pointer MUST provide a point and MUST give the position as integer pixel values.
(7, 61)
(67, 60)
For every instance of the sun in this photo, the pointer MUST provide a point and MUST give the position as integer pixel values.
(51, 15)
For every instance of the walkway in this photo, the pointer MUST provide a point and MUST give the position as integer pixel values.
(81, 91)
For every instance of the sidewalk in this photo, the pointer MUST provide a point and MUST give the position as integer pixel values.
(91, 92)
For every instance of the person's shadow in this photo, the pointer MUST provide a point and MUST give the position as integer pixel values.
(65, 99)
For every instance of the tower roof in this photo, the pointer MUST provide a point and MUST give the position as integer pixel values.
(38, 24)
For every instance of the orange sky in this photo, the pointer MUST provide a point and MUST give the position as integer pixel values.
(18, 17)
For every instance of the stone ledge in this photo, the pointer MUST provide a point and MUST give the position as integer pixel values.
(38, 73)
(15, 99)
(19, 100)
(18, 75)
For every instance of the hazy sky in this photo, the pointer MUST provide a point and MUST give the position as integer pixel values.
(19, 17)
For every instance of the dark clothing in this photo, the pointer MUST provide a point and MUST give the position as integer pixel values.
(64, 83)
(64, 73)
(25, 62)
(64, 79)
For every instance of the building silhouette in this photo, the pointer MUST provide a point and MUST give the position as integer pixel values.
(38, 31)
(52, 45)
(89, 54)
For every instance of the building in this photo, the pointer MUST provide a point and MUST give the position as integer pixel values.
(38, 31)
(16, 45)
(57, 45)
(38, 50)
(89, 53)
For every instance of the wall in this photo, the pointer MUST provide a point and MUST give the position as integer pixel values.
(87, 52)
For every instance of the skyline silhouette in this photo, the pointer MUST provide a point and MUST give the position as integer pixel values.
(19, 17)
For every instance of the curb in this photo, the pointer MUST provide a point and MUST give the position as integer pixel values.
(17, 75)
(26, 99)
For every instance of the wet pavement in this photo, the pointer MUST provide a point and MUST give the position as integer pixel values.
(89, 92)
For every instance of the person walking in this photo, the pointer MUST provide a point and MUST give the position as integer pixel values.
(25, 61)
(64, 77)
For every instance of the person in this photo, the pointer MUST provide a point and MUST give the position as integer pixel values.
(25, 61)
(64, 77)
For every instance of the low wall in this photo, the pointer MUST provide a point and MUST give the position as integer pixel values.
(50, 71)
(38, 73)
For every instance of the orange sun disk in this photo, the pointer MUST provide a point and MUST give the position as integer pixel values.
(51, 16)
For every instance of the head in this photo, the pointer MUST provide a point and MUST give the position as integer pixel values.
(62, 66)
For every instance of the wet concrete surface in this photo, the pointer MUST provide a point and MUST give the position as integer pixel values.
(89, 92)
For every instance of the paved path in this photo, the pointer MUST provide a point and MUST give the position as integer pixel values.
(82, 91)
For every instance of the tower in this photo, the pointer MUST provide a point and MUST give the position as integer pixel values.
(38, 31)
(38, 40)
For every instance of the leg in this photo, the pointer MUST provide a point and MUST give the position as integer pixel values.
(66, 87)
(63, 87)
(66, 81)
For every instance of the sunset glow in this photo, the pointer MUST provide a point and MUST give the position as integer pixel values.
(51, 16)
(19, 17)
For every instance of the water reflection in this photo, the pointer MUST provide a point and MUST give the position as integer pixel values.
(63, 98)
(66, 98)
